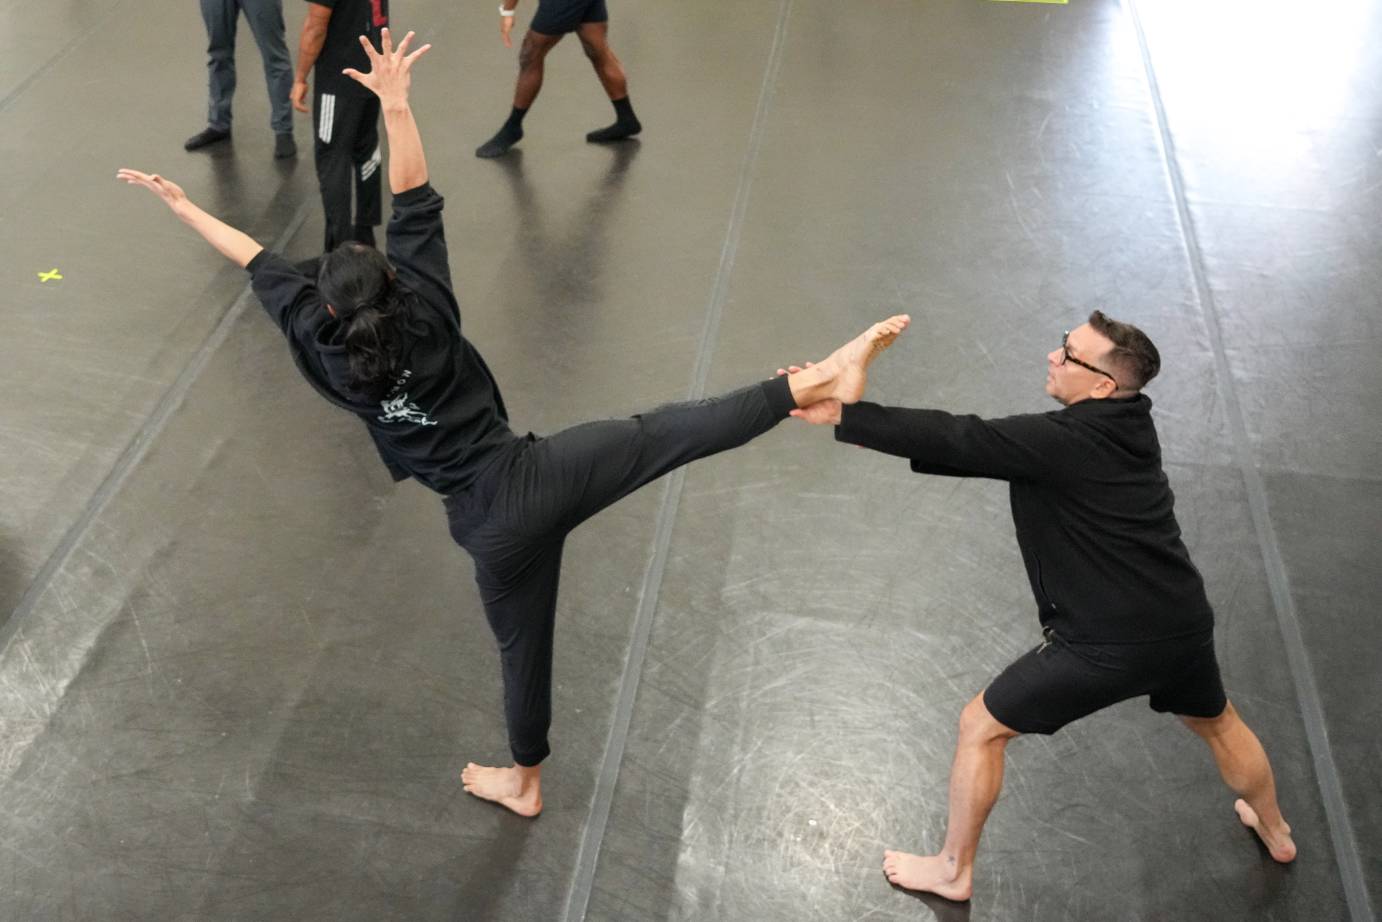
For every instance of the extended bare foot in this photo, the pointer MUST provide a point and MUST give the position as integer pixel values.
(849, 364)
(843, 375)
(518, 788)
(930, 873)
(1278, 841)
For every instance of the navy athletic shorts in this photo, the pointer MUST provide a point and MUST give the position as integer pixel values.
(1059, 682)
(557, 17)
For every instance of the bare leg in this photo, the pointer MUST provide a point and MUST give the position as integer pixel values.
(531, 56)
(843, 375)
(518, 788)
(530, 69)
(975, 780)
(594, 41)
(1243, 764)
(611, 74)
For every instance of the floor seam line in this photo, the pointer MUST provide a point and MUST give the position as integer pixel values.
(592, 838)
(1288, 621)
(135, 450)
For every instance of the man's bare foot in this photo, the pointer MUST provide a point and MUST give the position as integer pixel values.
(1279, 843)
(849, 364)
(930, 873)
(518, 788)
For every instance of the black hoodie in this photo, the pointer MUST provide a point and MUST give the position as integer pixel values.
(444, 420)
(1093, 511)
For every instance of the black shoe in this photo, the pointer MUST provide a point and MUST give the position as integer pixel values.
(499, 144)
(207, 135)
(284, 146)
(624, 128)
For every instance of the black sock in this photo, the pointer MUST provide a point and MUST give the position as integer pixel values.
(626, 124)
(507, 137)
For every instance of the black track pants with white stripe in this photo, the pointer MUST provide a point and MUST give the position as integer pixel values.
(347, 150)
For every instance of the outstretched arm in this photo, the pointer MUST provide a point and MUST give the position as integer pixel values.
(235, 245)
(389, 78)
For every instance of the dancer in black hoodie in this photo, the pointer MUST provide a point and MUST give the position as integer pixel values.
(1122, 608)
(382, 339)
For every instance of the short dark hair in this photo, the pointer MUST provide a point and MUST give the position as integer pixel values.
(1133, 354)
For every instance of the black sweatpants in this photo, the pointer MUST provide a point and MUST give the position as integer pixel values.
(514, 522)
(347, 153)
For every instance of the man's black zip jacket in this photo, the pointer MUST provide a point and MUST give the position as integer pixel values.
(444, 421)
(1090, 502)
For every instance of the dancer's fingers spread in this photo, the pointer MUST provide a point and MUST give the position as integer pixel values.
(385, 41)
(369, 47)
(416, 54)
(403, 45)
(354, 74)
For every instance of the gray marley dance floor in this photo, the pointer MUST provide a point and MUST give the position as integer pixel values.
(241, 670)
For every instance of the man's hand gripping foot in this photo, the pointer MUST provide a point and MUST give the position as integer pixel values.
(518, 788)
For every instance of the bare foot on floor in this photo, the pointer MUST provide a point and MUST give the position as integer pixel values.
(1279, 843)
(514, 788)
(929, 873)
(849, 364)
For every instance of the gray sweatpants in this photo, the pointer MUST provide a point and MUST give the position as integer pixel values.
(266, 22)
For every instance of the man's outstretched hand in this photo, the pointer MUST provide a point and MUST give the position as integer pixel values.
(390, 68)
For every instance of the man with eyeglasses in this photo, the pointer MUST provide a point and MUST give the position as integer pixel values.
(1123, 609)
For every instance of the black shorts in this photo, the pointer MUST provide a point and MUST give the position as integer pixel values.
(557, 17)
(1060, 682)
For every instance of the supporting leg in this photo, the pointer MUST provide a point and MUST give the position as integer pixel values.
(1244, 766)
(518, 583)
(976, 777)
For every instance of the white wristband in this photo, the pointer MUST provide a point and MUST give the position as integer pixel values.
(507, 14)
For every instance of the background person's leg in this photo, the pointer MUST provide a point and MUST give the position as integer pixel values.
(976, 778)
(1245, 768)
(266, 22)
(220, 18)
(594, 41)
(531, 56)
(333, 116)
(366, 160)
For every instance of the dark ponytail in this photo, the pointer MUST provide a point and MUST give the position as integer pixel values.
(358, 283)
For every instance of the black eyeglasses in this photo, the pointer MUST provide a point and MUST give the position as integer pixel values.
(1065, 356)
